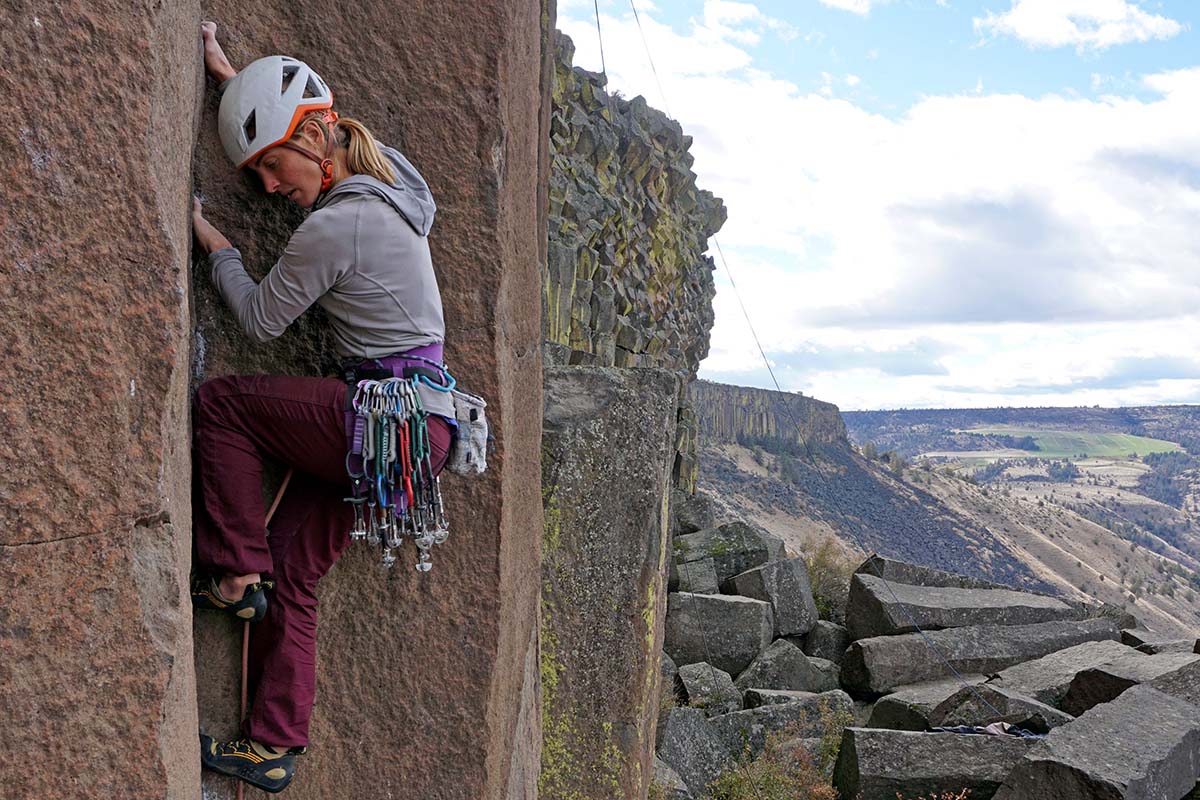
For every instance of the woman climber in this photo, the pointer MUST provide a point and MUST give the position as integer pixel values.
(362, 255)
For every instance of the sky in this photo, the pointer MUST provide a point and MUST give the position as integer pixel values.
(937, 203)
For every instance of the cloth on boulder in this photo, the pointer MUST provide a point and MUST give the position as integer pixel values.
(994, 729)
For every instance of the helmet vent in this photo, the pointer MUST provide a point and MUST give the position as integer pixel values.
(249, 127)
(311, 89)
(289, 72)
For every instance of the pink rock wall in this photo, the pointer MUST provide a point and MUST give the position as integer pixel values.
(97, 696)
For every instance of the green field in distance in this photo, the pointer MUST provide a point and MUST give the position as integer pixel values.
(1073, 444)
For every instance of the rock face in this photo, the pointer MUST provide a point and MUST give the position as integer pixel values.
(1144, 744)
(627, 282)
(877, 665)
(877, 608)
(880, 764)
(727, 413)
(727, 632)
(459, 644)
(95, 625)
(607, 448)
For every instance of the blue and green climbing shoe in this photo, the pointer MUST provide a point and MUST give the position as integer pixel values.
(251, 608)
(270, 769)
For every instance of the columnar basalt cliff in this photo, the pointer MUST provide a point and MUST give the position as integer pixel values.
(627, 282)
(428, 685)
(627, 286)
(731, 413)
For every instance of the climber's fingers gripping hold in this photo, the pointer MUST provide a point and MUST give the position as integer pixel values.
(214, 57)
(208, 237)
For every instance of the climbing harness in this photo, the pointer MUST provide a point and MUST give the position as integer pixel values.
(394, 492)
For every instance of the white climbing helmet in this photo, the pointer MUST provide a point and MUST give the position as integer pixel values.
(265, 102)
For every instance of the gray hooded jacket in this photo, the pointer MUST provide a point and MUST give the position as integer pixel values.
(362, 256)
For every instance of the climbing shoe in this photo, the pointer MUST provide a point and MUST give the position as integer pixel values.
(252, 607)
(269, 769)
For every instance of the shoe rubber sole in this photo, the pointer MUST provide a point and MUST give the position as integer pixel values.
(273, 780)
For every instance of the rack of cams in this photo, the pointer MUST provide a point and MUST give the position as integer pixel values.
(395, 493)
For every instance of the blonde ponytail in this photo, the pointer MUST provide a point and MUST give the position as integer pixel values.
(363, 156)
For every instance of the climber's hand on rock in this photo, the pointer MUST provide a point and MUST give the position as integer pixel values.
(208, 237)
(214, 57)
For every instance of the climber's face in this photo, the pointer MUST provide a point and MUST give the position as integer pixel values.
(286, 172)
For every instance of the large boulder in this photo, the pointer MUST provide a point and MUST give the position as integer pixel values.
(826, 640)
(1144, 744)
(879, 608)
(878, 665)
(1183, 683)
(1105, 682)
(985, 704)
(784, 666)
(785, 585)
(876, 764)
(725, 631)
(734, 547)
(686, 743)
(670, 785)
(1047, 679)
(709, 689)
(602, 554)
(909, 707)
(916, 575)
(693, 512)
(744, 733)
(699, 577)
(769, 697)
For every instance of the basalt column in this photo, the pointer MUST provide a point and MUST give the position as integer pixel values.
(97, 692)
(427, 683)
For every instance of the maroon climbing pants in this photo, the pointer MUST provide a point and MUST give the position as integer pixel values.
(240, 421)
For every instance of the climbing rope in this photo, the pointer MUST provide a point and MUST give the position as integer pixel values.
(600, 36)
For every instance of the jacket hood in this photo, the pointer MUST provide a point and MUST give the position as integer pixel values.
(409, 195)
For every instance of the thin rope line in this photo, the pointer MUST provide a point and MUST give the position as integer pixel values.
(646, 46)
(600, 36)
(761, 352)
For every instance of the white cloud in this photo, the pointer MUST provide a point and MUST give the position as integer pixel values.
(861, 7)
(966, 220)
(1084, 24)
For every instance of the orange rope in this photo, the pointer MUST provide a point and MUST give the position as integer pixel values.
(246, 625)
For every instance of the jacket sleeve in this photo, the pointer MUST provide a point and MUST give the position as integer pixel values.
(316, 256)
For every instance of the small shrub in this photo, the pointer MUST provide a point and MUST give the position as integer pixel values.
(829, 571)
(783, 772)
(965, 794)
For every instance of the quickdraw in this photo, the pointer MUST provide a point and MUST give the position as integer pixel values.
(394, 491)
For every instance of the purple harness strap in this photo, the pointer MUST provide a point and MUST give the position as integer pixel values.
(429, 355)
